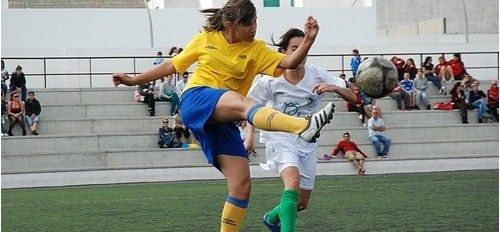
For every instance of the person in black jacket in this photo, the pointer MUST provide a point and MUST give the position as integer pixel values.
(147, 90)
(18, 82)
(166, 136)
(33, 110)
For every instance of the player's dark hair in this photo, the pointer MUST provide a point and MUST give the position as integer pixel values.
(285, 38)
(237, 11)
(346, 133)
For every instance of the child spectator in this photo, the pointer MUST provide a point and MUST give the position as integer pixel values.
(458, 98)
(410, 68)
(242, 126)
(15, 112)
(167, 93)
(5, 77)
(33, 110)
(493, 98)
(351, 153)
(18, 82)
(408, 86)
(368, 103)
(382, 143)
(421, 84)
(147, 91)
(476, 100)
(342, 75)
(355, 62)
(429, 74)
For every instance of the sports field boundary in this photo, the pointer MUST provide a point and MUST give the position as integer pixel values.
(99, 177)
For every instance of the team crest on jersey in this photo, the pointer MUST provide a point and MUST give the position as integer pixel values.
(291, 108)
(243, 57)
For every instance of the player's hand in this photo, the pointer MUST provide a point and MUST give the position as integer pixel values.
(311, 28)
(122, 78)
(323, 87)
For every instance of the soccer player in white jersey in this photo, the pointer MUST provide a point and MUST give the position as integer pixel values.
(298, 93)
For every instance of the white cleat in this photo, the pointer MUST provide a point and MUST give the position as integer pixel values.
(316, 122)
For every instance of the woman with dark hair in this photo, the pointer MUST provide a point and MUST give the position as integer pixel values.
(15, 112)
(458, 98)
(292, 158)
(410, 68)
(229, 57)
(429, 74)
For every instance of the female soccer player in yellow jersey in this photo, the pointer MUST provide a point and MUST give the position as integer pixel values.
(229, 57)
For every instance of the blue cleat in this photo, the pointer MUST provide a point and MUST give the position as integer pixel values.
(272, 227)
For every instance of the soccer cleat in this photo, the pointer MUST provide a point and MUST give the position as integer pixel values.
(272, 227)
(316, 122)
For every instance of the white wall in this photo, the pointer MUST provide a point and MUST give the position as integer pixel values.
(67, 29)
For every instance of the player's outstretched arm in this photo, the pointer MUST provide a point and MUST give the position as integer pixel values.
(346, 93)
(159, 71)
(311, 29)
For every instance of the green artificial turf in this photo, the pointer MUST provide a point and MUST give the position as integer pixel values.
(440, 201)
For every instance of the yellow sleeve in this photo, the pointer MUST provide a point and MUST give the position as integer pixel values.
(190, 54)
(269, 60)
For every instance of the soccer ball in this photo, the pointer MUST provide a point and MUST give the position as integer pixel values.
(377, 77)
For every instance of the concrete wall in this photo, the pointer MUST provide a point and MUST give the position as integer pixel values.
(75, 3)
(482, 14)
(129, 28)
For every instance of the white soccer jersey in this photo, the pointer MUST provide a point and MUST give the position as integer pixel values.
(295, 100)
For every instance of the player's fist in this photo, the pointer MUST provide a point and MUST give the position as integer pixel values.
(122, 78)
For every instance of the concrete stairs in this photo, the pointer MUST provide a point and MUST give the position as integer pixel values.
(102, 130)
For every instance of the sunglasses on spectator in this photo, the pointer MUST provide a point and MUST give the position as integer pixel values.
(16, 96)
(165, 121)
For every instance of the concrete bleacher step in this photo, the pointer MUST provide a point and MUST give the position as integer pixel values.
(137, 109)
(162, 158)
(125, 123)
(125, 94)
(329, 136)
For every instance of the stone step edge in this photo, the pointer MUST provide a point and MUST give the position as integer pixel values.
(100, 177)
(389, 127)
(258, 145)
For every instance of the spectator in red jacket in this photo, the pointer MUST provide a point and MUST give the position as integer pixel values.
(443, 70)
(399, 63)
(493, 98)
(351, 152)
(457, 67)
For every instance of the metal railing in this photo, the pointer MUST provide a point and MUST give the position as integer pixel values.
(89, 70)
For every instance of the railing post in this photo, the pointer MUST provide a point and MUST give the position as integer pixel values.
(134, 67)
(44, 73)
(90, 71)
(421, 60)
(343, 68)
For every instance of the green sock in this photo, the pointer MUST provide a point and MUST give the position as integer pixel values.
(273, 216)
(288, 209)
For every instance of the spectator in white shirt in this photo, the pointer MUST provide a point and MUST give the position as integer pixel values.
(179, 86)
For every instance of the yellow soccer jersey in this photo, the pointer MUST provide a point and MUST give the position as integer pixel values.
(225, 65)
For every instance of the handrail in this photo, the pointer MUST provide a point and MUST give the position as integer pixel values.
(134, 59)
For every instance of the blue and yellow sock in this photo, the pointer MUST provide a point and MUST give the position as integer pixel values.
(233, 214)
(267, 118)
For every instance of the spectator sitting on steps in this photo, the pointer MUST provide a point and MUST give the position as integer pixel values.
(476, 100)
(421, 84)
(15, 112)
(181, 129)
(493, 98)
(458, 98)
(179, 86)
(351, 152)
(5, 77)
(33, 110)
(18, 82)
(376, 127)
(166, 136)
(167, 93)
(147, 90)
